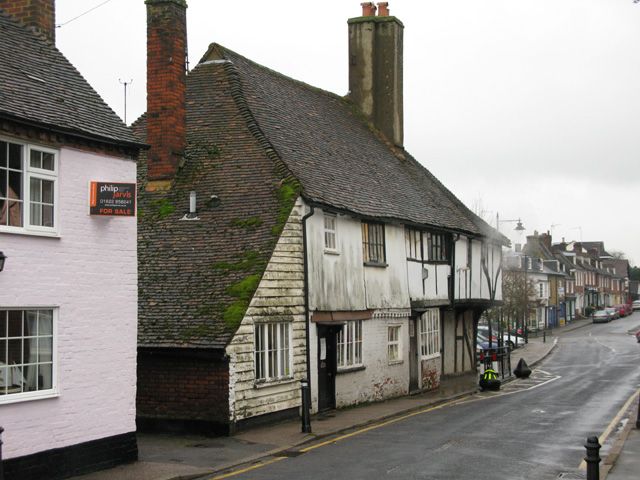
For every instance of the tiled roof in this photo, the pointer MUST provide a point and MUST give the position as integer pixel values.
(39, 86)
(248, 128)
(187, 267)
(339, 160)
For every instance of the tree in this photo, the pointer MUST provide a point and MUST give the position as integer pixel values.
(618, 255)
(518, 295)
(634, 273)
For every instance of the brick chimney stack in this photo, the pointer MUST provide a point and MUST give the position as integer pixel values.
(375, 69)
(166, 87)
(40, 15)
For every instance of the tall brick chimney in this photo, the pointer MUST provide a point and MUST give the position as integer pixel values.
(37, 14)
(166, 87)
(375, 69)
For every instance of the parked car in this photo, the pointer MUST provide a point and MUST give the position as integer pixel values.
(601, 316)
(511, 341)
(638, 336)
(613, 312)
(623, 309)
(636, 305)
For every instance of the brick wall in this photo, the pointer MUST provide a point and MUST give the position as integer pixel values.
(177, 390)
(166, 86)
(38, 14)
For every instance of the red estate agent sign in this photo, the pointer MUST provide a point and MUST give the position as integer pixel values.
(113, 199)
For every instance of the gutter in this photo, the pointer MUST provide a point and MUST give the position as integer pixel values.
(306, 292)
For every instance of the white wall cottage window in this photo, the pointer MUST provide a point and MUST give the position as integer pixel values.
(350, 345)
(430, 333)
(394, 352)
(373, 243)
(330, 224)
(28, 188)
(27, 354)
(413, 239)
(272, 351)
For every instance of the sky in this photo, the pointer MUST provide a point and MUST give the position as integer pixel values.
(523, 108)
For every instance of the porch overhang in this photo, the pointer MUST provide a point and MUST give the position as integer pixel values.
(341, 317)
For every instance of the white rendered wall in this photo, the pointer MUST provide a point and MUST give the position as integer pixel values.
(90, 273)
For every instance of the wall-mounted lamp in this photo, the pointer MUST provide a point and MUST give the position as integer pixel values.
(3, 257)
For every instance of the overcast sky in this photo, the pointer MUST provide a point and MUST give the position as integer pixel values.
(529, 109)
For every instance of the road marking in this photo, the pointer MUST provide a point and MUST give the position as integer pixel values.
(337, 439)
(603, 437)
(247, 469)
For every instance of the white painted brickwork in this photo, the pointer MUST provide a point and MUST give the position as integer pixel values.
(90, 274)
(279, 297)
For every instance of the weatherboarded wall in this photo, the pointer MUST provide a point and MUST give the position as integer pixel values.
(279, 298)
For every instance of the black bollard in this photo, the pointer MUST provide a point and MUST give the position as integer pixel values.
(1, 468)
(593, 458)
(637, 419)
(544, 336)
(306, 406)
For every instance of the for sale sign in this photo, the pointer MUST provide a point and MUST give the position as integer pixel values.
(112, 199)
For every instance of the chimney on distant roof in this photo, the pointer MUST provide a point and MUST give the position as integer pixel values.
(383, 9)
(40, 15)
(166, 87)
(375, 69)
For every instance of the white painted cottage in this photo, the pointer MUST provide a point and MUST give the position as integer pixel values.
(318, 249)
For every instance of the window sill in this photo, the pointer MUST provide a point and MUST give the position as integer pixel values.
(395, 362)
(27, 397)
(273, 382)
(355, 368)
(430, 357)
(328, 251)
(376, 264)
(30, 233)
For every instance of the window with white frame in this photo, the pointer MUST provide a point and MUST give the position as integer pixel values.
(26, 353)
(394, 353)
(350, 345)
(330, 224)
(28, 181)
(272, 351)
(430, 333)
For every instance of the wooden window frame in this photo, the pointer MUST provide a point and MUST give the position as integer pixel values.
(265, 354)
(22, 396)
(374, 244)
(30, 173)
(349, 341)
(430, 334)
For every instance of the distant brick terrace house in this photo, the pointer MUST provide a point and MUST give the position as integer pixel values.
(286, 234)
(68, 290)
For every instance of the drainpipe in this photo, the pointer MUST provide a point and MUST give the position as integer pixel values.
(306, 407)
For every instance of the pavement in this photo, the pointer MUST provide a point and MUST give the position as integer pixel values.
(183, 457)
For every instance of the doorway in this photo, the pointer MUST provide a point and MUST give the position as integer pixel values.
(414, 358)
(327, 366)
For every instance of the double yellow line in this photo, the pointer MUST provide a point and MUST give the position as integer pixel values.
(337, 439)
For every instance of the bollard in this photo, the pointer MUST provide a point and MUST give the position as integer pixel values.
(544, 336)
(593, 458)
(637, 420)
(306, 406)
(1, 468)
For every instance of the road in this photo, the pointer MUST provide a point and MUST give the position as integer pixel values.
(532, 429)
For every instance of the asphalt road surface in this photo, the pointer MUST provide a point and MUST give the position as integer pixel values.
(532, 429)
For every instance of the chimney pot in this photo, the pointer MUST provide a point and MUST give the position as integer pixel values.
(383, 9)
(40, 15)
(368, 9)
